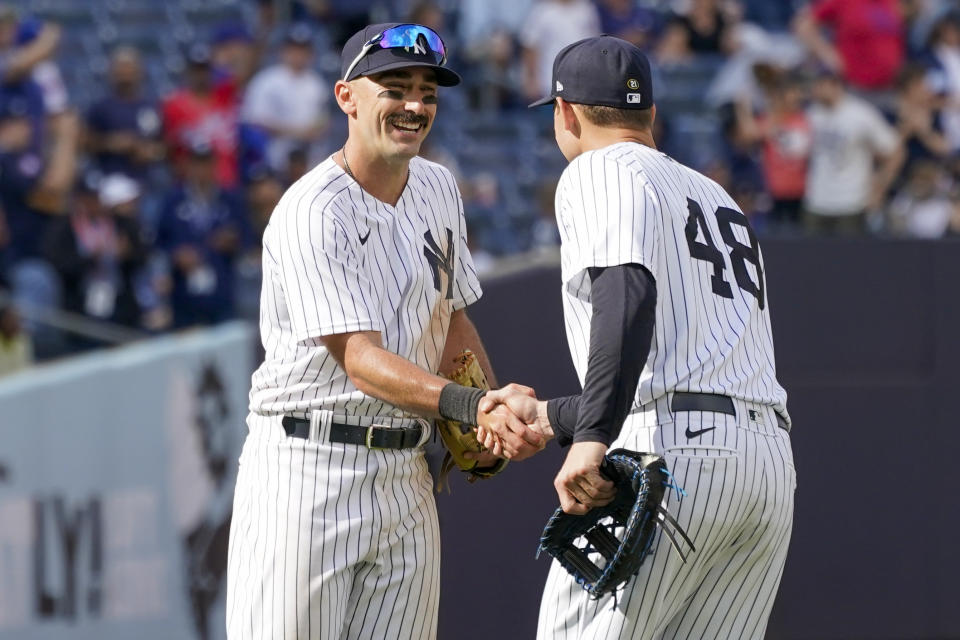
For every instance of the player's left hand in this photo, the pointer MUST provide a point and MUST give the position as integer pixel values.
(580, 485)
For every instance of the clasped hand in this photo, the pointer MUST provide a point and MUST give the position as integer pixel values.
(522, 428)
(509, 424)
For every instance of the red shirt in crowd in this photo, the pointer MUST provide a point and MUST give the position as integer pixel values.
(189, 119)
(869, 36)
(786, 148)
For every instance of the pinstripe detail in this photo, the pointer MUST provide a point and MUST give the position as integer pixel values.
(358, 562)
(627, 203)
(337, 541)
(319, 279)
(739, 512)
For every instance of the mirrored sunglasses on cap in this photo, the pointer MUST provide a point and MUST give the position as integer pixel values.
(406, 36)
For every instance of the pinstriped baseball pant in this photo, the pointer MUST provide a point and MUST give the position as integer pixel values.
(331, 541)
(739, 477)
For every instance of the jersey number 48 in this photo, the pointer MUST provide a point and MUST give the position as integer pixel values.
(740, 254)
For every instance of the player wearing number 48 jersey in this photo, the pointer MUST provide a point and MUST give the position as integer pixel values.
(668, 322)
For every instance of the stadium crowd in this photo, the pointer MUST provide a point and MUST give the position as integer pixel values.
(134, 186)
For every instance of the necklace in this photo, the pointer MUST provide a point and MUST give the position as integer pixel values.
(346, 165)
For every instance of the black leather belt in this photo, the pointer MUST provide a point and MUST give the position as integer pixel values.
(690, 401)
(372, 436)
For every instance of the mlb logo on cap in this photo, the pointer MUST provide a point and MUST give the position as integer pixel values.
(603, 71)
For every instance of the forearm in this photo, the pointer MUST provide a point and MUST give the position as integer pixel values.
(808, 32)
(50, 195)
(621, 331)
(562, 414)
(461, 335)
(28, 56)
(886, 173)
(385, 375)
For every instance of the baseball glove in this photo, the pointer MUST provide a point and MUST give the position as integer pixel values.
(461, 438)
(641, 480)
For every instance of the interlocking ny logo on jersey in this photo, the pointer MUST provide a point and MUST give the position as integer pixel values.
(440, 261)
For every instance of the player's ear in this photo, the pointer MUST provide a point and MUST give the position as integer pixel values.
(346, 96)
(569, 117)
(653, 114)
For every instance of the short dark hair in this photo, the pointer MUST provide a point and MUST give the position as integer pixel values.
(615, 117)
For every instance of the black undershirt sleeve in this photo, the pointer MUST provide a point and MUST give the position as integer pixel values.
(624, 300)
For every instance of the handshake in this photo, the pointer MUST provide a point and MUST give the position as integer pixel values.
(511, 424)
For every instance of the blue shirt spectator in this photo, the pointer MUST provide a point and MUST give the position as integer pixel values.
(124, 127)
(203, 229)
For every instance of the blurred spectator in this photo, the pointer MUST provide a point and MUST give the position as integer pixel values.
(34, 188)
(627, 20)
(46, 72)
(868, 40)
(552, 25)
(545, 233)
(263, 192)
(16, 351)
(202, 229)
(202, 112)
(289, 100)
(849, 136)
(20, 59)
(707, 27)
(738, 168)
(124, 127)
(923, 207)
(297, 165)
(943, 51)
(479, 21)
(497, 77)
(917, 120)
(342, 18)
(784, 133)
(235, 54)
(98, 252)
(483, 261)
(773, 15)
(429, 14)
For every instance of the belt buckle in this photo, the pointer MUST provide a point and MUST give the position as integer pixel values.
(368, 437)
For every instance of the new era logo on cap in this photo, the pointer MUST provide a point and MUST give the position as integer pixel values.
(595, 71)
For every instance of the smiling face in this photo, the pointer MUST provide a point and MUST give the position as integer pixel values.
(392, 112)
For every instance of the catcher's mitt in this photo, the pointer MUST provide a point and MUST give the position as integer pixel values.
(461, 438)
(641, 480)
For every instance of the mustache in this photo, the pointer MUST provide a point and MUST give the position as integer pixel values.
(409, 119)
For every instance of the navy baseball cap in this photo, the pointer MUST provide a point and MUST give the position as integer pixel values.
(395, 45)
(603, 71)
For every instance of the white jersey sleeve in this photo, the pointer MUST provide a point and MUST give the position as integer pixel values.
(467, 284)
(606, 217)
(328, 291)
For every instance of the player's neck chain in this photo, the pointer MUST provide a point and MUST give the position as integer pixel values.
(346, 165)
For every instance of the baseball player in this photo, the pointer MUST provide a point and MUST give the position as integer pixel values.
(366, 275)
(668, 323)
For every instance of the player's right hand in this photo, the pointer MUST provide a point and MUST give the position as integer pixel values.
(515, 438)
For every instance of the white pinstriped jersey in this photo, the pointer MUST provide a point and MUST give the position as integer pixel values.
(337, 260)
(628, 203)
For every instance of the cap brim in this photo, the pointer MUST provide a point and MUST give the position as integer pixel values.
(541, 102)
(445, 77)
